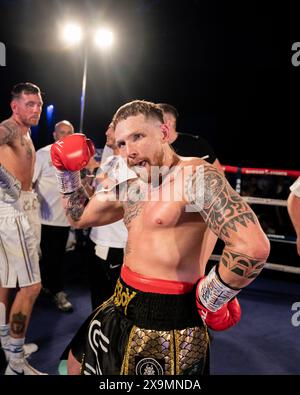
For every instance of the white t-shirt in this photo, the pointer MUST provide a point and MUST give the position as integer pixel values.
(295, 188)
(107, 151)
(112, 235)
(46, 187)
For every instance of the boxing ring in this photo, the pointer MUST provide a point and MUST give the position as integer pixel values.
(236, 176)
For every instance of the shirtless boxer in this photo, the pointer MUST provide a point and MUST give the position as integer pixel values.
(156, 321)
(19, 227)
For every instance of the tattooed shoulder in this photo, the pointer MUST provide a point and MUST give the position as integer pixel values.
(131, 211)
(8, 131)
(134, 202)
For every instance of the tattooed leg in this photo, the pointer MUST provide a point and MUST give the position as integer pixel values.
(18, 324)
(21, 309)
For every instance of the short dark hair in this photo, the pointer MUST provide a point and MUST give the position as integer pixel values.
(137, 107)
(168, 108)
(24, 87)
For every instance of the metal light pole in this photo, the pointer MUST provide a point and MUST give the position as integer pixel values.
(102, 38)
(83, 89)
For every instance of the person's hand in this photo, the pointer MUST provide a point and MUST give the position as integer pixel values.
(222, 319)
(298, 245)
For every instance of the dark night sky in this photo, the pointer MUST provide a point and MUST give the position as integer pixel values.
(225, 67)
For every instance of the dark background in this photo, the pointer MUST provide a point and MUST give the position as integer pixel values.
(226, 66)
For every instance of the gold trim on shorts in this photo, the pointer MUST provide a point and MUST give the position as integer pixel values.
(164, 352)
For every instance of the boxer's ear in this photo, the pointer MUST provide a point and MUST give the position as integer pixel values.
(165, 131)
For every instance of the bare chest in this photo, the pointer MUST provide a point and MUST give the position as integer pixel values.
(163, 215)
(22, 146)
(148, 208)
(18, 157)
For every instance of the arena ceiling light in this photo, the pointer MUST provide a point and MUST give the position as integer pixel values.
(103, 38)
(72, 33)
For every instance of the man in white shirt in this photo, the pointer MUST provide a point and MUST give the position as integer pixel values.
(55, 227)
(294, 209)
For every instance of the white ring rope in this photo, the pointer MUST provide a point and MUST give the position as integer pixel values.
(268, 265)
(269, 202)
(242, 171)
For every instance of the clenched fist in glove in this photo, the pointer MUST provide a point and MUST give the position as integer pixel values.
(222, 319)
(69, 155)
(216, 302)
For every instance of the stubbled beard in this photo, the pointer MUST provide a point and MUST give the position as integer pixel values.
(30, 122)
(145, 173)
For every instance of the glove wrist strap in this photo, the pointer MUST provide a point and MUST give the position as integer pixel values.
(68, 181)
(213, 293)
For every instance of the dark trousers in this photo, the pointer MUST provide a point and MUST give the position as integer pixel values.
(53, 247)
(103, 274)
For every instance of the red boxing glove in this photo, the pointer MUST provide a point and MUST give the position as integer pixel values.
(72, 153)
(222, 319)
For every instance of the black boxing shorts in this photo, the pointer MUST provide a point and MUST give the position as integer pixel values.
(148, 327)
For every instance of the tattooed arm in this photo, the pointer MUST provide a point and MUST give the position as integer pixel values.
(70, 155)
(102, 209)
(233, 221)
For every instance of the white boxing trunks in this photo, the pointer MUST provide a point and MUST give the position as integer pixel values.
(20, 232)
